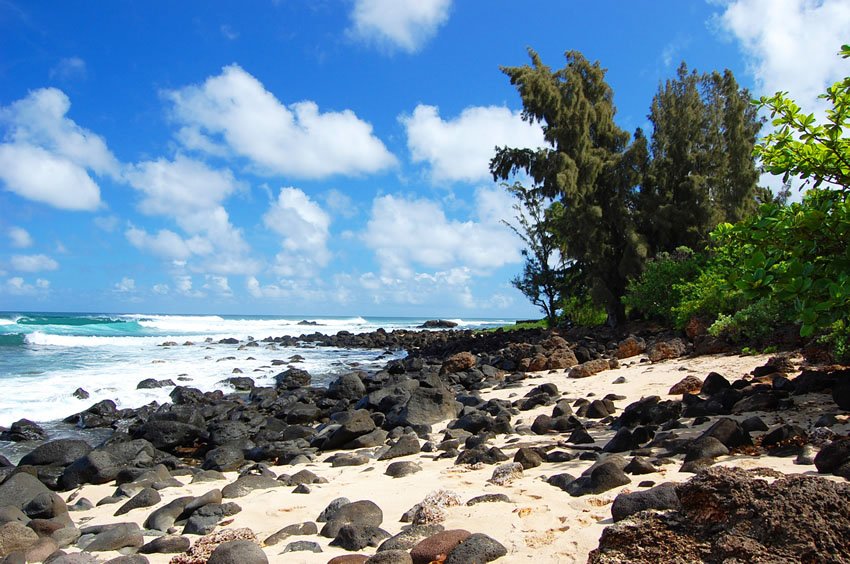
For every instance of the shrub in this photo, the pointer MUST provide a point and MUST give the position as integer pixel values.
(658, 291)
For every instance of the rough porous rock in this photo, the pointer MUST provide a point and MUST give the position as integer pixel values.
(200, 551)
(589, 368)
(362, 512)
(298, 529)
(410, 537)
(355, 537)
(458, 363)
(665, 350)
(630, 346)
(687, 385)
(15, 536)
(730, 514)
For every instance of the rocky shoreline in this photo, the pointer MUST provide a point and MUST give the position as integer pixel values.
(516, 406)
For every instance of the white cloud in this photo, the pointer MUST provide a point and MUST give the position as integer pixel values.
(304, 226)
(228, 32)
(235, 109)
(36, 174)
(107, 223)
(406, 234)
(161, 289)
(126, 285)
(19, 287)
(20, 237)
(460, 149)
(791, 44)
(218, 285)
(69, 68)
(191, 193)
(167, 244)
(46, 157)
(401, 24)
(33, 263)
(340, 203)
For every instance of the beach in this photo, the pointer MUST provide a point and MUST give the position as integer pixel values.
(525, 512)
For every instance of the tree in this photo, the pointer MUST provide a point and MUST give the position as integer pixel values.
(818, 152)
(590, 168)
(701, 171)
(542, 277)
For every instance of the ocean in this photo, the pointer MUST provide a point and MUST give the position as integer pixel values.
(45, 357)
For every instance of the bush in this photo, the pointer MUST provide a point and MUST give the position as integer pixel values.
(582, 312)
(755, 322)
(658, 291)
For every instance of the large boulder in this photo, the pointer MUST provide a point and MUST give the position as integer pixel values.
(458, 363)
(734, 515)
(167, 435)
(348, 387)
(356, 424)
(425, 407)
(666, 350)
(23, 430)
(14, 537)
(60, 452)
(293, 379)
(238, 552)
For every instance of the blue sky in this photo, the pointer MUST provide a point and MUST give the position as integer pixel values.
(322, 157)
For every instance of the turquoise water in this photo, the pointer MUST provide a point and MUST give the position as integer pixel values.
(44, 357)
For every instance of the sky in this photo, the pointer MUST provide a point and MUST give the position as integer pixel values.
(295, 157)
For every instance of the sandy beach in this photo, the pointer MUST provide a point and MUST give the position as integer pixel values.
(539, 523)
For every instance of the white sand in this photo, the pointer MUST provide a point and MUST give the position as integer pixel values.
(541, 523)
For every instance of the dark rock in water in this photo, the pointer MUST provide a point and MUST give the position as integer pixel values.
(293, 379)
(238, 552)
(354, 537)
(228, 341)
(113, 537)
(152, 383)
(168, 544)
(80, 393)
(831, 457)
(60, 452)
(23, 430)
(240, 383)
(660, 497)
(733, 515)
(310, 323)
(477, 547)
(438, 324)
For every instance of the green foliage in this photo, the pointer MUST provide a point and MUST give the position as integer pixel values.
(706, 296)
(520, 326)
(591, 170)
(543, 279)
(798, 256)
(755, 322)
(817, 152)
(580, 310)
(702, 171)
(657, 291)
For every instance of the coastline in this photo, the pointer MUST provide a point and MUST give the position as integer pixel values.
(540, 521)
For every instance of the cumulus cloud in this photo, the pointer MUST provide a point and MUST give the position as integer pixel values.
(234, 112)
(19, 287)
(19, 237)
(191, 193)
(398, 24)
(406, 234)
(161, 289)
(46, 157)
(460, 149)
(168, 244)
(791, 45)
(125, 285)
(33, 263)
(218, 285)
(304, 226)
